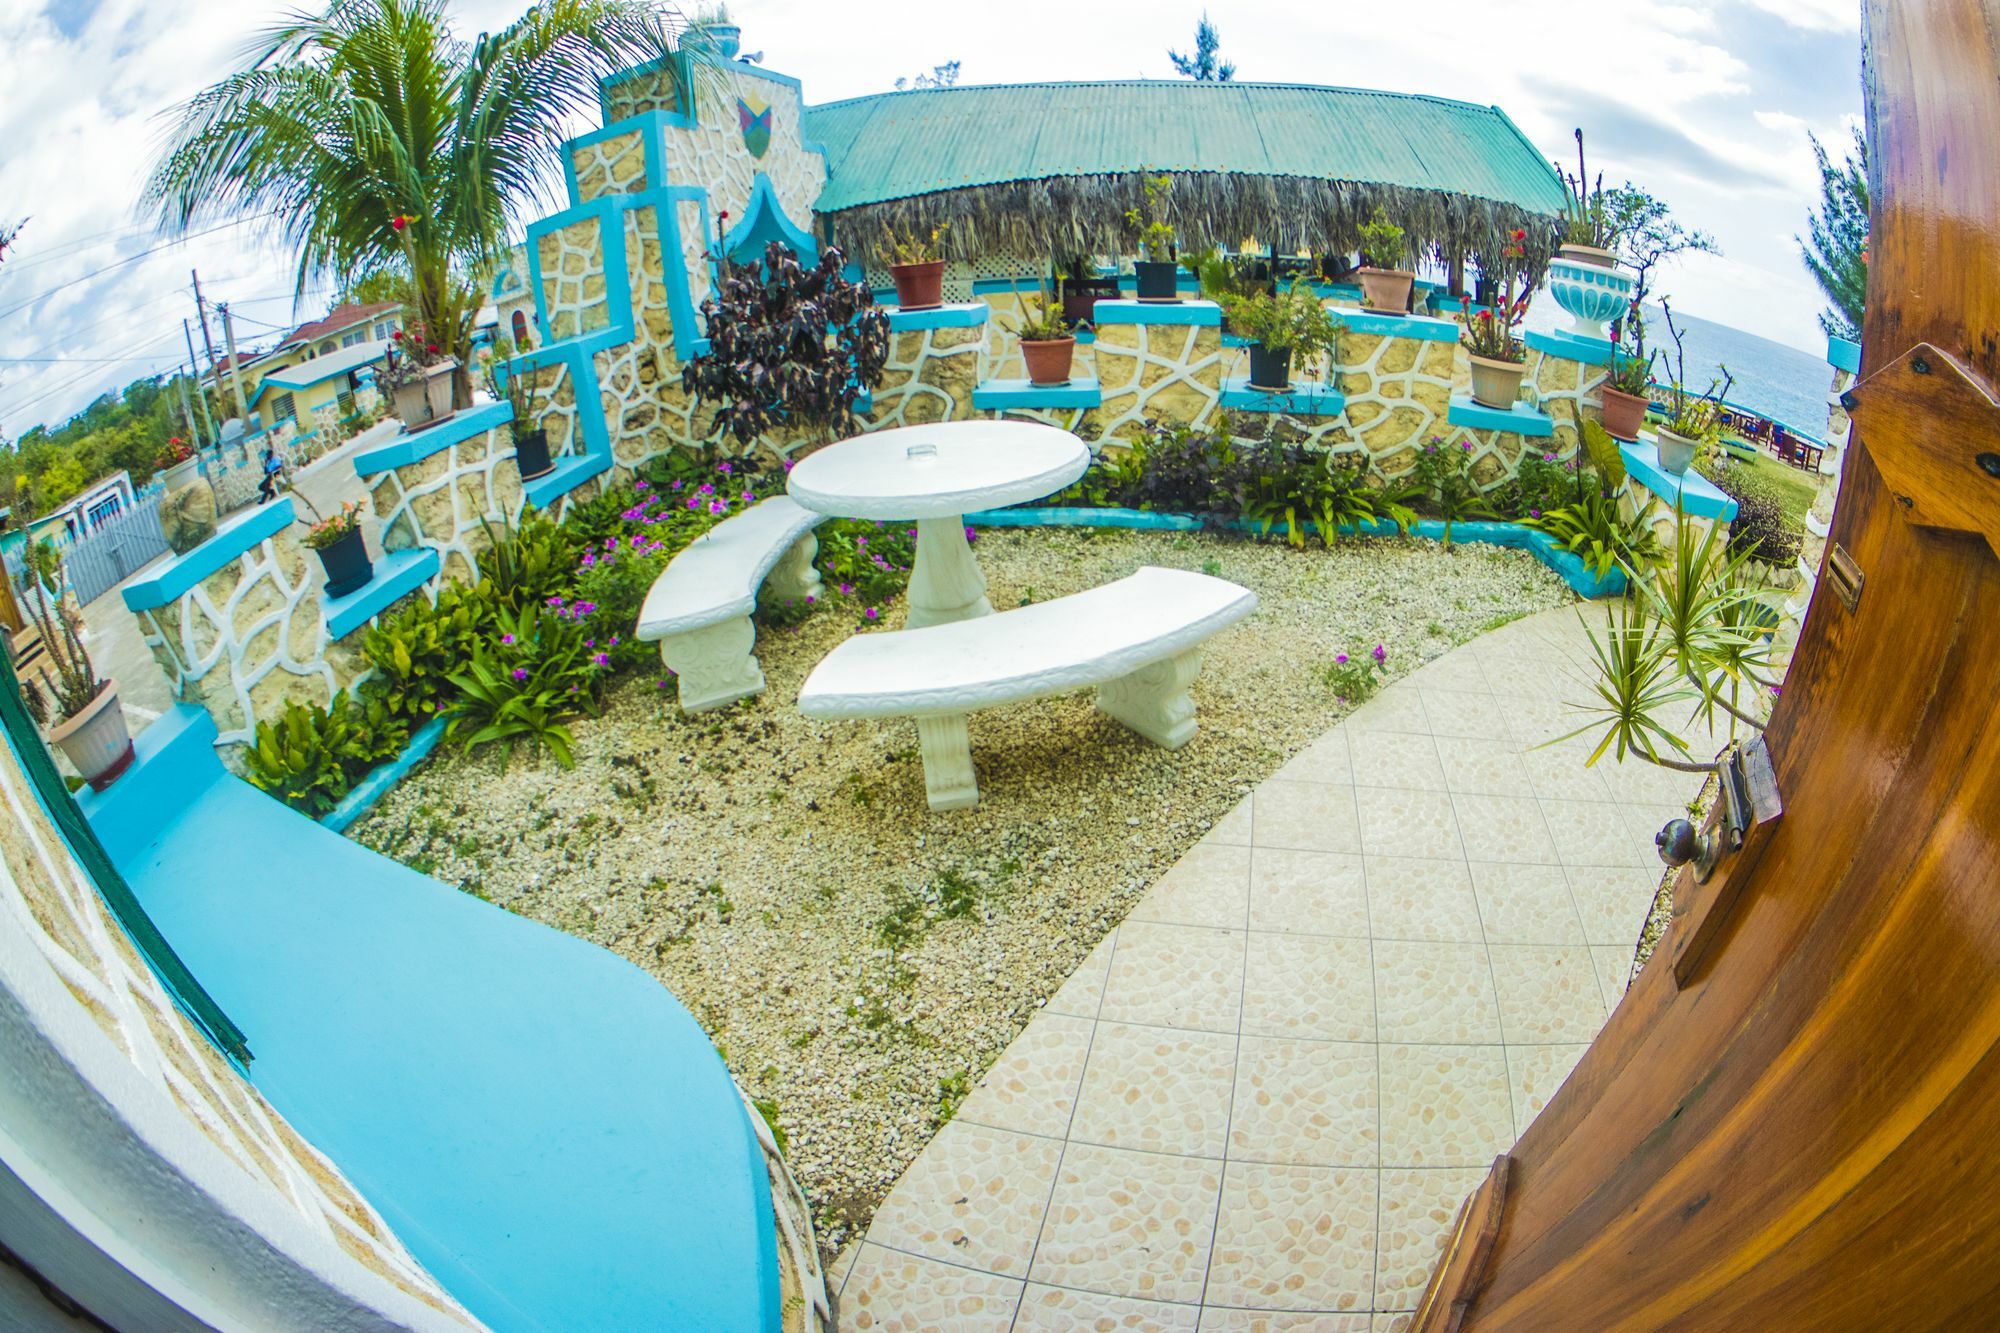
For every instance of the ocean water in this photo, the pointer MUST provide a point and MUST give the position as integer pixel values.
(1772, 380)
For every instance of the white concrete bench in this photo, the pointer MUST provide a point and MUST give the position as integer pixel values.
(1138, 640)
(699, 608)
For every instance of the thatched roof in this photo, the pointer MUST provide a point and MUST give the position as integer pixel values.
(1039, 170)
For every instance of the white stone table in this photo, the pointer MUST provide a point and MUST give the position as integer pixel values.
(937, 474)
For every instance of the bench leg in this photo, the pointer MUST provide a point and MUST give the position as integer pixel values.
(948, 778)
(714, 664)
(793, 578)
(1154, 700)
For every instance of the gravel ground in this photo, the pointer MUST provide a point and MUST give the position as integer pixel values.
(859, 960)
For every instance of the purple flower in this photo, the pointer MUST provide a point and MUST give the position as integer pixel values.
(590, 643)
(507, 639)
(663, 684)
(912, 532)
(846, 589)
(694, 503)
(860, 542)
(556, 600)
(601, 659)
(640, 484)
(585, 608)
(970, 535)
(588, 559)
(719, 507)
(1380, 654)
(810, 599)
(871, 613)
(705, 489)
(614, 641)
(520, 673)
(788, 464)
(1548, 458)
(1466, 445)
(748, 497)
(1534, 513)
(1340, 658)
(677, 486)
(723, 467)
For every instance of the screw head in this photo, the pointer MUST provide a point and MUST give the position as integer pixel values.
(1920, 366)
(1989, 463)
(1848, 400)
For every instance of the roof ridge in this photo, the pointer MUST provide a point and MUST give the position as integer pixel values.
(1193, 85)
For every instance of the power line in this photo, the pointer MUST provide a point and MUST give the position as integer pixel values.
(132, 259)
(65, 385)
(81, 243)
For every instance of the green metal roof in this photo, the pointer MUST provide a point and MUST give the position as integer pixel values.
(898, 145)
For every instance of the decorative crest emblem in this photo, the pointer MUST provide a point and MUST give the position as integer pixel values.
(756, 119)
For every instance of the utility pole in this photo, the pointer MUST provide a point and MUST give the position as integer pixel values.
(199, 396)
(201, 313)
(235, 362)
(187, 412)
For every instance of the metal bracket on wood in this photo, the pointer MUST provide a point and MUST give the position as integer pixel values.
(1749, 798)
(1930, 427)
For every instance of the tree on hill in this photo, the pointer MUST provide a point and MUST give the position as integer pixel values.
(1835, 247)
(1204, 65)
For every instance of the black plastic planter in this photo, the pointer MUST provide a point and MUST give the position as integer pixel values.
(1157, 281)
(347, 565)
(531, 454)
(1269, 369)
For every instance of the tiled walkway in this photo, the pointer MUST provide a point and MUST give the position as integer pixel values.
(1259, 1101)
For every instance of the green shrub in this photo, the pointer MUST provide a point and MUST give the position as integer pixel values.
(414, 652)
(1444, 487)
(1760, 529)
(527, 564)
(1593, 529)
(867, 564)
(311, 757)
(538, 672)
(1354, 680)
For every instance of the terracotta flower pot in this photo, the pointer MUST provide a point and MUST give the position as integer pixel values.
(96, 740)
(531, 454)
(919, 286)
(1624, 413)
(1387, 289)
(1159, 280)
(347, 564)
(1677, 451)
(1589, 254)
(1270, 368)
(1496, 384)
(1048, 361)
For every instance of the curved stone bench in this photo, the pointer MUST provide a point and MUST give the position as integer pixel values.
(699, 609)
(1138, 640)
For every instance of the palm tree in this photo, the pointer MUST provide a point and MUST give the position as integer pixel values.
(379, 142)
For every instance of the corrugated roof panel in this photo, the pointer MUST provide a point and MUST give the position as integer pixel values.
(895, 145)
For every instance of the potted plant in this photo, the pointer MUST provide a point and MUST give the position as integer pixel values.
(1074, 278)
(1158, 274)
(1384, 245)
(1222, 280)
(1585, 278)
(1046, 343)
(418, 377)
(1628, 387)
(916, 266)
(342, 552)
(1286, 325)
(177, 463)
(1587, 235)
(510, 386)
(1499, 360)
(84, 719)
(1693, 419)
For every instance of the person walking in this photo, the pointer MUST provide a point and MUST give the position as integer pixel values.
(267, 489)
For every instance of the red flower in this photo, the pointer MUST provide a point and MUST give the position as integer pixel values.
(397, 335)
(1465, 303)
(723, 216)
(397, 223)
(430, 347)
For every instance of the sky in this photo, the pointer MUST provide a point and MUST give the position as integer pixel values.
(1707, 103)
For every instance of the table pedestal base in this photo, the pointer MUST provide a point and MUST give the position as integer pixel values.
(945, 583)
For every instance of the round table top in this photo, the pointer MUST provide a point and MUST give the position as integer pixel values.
(938, 471)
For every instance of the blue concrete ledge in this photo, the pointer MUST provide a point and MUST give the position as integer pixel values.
(1543, 547)
(1522, 419)
(1337, 291)
(1184, 281)
(543, 1125)
(1305, 398)
(570, 472)
(969, 315)
(1080, 391)
(1237, 340)
(1203, 314)
(397, 575)
(1571, 347)
(234, 538)
(1424, 328)
(1691, 491)
(384, 777)
(410, 447)
(1844, 355)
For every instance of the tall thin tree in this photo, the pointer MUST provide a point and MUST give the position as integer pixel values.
(1204, 65)
(1835, 246)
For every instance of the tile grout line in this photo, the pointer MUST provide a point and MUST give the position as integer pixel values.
(1375, 1015)
(1235, 1074)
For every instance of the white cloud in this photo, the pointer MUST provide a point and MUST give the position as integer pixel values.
(1816, 15)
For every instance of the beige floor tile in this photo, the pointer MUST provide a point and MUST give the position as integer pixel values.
(1458, 713)
(1614, 971)
(901, 1293)
(1398, 708)
(1060, 1310)
(974, 1197)
(1418, 1208)
(1480, 767)
(1032, 1087)
(1130, 1224)
(1233, 827)
(1453, 671)
(1534, 721)
(1217, 1319)
(1587, 833)
(1308, 986)
(1083, 991)
(1643, 824)
(1548, 993)
(1325, 760)
(1535, 1073)
(1559, 773)
(1506, 829)
(1525, 904)
(1637, 781)
(1613, 901)
(1406, 823)
(843, 1264)
(1305, 816)
(1175, 976)
(1444, 1105)
(1415, 899)
(1431, 992)
(1209, 886)
(1393, 1323)
(1307, 1103)
(1157, 1089)
(1397, 759)
(1315, 893)
(1294, 1238)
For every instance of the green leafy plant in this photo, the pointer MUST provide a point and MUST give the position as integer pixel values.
(311, 757)
(1631, 372)
(74, 679)
(866, 565)
(1586, 217)
(908, 245)
(1355, 680)
(1593, 529)
(1043, 321)
(1445, 487)
(413, 652)
(343, 522)
(1383, 243)
(1604, 455)
(527, 563)
(1291, 321)
(1698, 416)
(1294, 487)
(1149, 220)
(540, 671)
(1490, 332)
(1221, 277)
